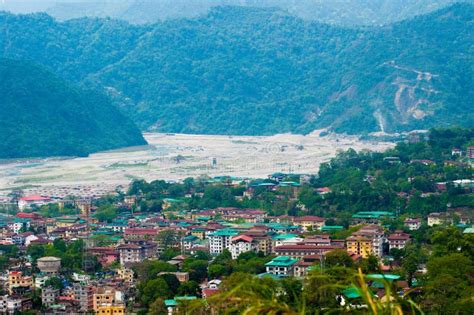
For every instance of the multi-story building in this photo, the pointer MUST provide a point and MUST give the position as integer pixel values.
(281, 266)
(437, 218)
(220, 240)
(376, 234)
(84, 294)
(126, 275)
(398, 240)
(302, 267)
(135, 253)
(29, 201)
(49, 296)
(11, 306)
(359, 245)
(299, 251)
(107, 300)
(412, 224)
(309, 222)
(19, 224)
(241, 244)
(18, 282)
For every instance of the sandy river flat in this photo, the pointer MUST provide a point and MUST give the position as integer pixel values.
(242, 156)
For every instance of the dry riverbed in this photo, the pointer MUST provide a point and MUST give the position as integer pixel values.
(177, 156)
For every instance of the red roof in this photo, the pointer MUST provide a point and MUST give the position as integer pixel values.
(243, 238)
(208, 292)
(303, 247)
(141, 231)
(26, 215)
(35, 198)
(312, 218)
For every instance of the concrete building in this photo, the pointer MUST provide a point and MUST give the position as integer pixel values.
(281, 266)
(108, 300)
(49, 296)
(241, 244)
(309, 222)
(30, 201)
(18, 283)
(359, 245)
(412, 224)
(49, 265)
(398, 240)
(220, 240)
(84, 293)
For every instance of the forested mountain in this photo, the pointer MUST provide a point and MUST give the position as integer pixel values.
(262, 71)
(41, 115)
(347, 12)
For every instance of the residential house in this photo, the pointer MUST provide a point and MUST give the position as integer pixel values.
(49, 296)
(281, 266)
(220, 240)
(30, 201)
(360, 245)
(305, 264)
(309, 222)
(398, 240)
(412, 224)
(299, 251)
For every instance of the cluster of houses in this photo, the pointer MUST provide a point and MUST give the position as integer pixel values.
(297, 244)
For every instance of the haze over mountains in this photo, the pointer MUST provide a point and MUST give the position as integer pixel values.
(346, 12)
(259, 71)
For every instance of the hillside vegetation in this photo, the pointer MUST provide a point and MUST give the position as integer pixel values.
(41, 115)
(261, 71)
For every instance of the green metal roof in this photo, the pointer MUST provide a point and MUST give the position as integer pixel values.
(175, 301)
(372, 214)
(351, 293)
(377, 276)
(171, 303)
(281, 261)
(225, 232)
(332, 227)
(469, 230)
(284, 236)
(190, 238)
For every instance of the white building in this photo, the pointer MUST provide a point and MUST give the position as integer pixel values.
(242, 244)
(28, 202)
(412, 224)
(220, 240)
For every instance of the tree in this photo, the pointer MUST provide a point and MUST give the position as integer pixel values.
(449, 286)
(154, 289)
(157, 307)
(319, 292)
(189, 288)
(55, 282)
(217, 271)
(197, 269)
(106, 213)
(167, 238)
(172, 281)
(338, 257)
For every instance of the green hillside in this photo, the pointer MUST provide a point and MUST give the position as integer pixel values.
(41, 115)
(261, 71)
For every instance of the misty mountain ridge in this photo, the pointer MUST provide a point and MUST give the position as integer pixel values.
(347, 12)
(255, 71)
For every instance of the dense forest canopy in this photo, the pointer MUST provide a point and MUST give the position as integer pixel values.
(257, 71)
(42, 115)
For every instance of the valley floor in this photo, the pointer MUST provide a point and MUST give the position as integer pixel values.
(177, 156)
